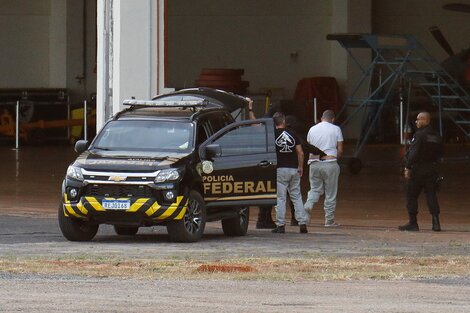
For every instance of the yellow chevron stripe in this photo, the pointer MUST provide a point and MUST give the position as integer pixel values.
(69, 209)
(171, 209)
(82, 208)
(153, 209)
(138, 204)
(180, 216)
(95, 204)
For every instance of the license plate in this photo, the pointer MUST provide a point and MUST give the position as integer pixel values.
(116, 204)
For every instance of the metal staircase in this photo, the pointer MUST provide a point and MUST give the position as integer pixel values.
(397, 59)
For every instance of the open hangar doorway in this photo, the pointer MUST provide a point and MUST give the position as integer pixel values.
(277, 44)
(49, 67)
(274, 44)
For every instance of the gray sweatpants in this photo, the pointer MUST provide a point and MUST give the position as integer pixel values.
(288, 181)
(323, 179)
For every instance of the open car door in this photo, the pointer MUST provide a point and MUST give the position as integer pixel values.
(238, 165)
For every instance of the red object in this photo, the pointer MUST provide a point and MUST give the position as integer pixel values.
(227, 79)
(223, 71)
(324, 89)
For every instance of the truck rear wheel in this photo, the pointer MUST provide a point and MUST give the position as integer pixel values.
(237, 226)
(75, 229)
(191, 227)
(126, 230)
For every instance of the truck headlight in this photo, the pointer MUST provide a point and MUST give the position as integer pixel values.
(74, 172)
(170, 174)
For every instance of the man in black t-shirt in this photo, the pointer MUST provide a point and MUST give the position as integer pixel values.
(290, 158)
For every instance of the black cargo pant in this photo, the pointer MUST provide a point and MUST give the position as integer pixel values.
(423, 176)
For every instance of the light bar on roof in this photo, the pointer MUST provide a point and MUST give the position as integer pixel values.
(165, 103)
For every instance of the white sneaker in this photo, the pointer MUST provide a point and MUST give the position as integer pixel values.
(332, 224)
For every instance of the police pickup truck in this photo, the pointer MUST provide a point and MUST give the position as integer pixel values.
(179, 160)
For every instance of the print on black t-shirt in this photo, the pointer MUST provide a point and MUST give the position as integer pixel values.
(286, 140)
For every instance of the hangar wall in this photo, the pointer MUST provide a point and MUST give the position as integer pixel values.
(276, 43)
(261, 37)
(24, 30)
(42, 45)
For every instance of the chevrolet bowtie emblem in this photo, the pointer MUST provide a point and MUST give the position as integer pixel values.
(117, 178)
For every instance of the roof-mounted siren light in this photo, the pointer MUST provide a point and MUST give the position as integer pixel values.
(165, 103)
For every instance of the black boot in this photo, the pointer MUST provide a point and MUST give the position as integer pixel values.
(409, 227)
(265, 221)
(436, 225)
(412, 225)
(269, 219)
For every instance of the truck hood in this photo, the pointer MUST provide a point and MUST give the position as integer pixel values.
(127, 161)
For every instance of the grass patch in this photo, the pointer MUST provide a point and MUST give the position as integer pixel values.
(285, 269)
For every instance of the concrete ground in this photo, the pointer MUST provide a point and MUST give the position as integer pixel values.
(370, 207)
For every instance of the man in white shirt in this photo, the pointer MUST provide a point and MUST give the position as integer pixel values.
(324, 171)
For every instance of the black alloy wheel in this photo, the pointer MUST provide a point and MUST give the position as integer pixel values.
(191, 227)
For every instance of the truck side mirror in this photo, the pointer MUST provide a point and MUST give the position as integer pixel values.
(81, 146)
(212, 150)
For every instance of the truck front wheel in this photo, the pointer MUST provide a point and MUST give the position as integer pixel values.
(75, 229)
(191, 227)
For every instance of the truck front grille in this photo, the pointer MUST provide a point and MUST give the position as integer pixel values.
(118, 191)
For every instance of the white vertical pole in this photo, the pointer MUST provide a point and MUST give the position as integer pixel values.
(68, 117)
(85, 122)
(17, 126)
(315, 110)
(402, 130)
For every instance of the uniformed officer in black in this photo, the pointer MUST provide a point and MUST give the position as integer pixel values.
(421, 172)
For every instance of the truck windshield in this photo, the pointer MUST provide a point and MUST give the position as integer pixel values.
(142, 135)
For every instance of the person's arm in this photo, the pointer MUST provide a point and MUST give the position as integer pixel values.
(413, 154)
(309, 148)
(340, 150)
(339, 145)
(300, 158)
(251, 114)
